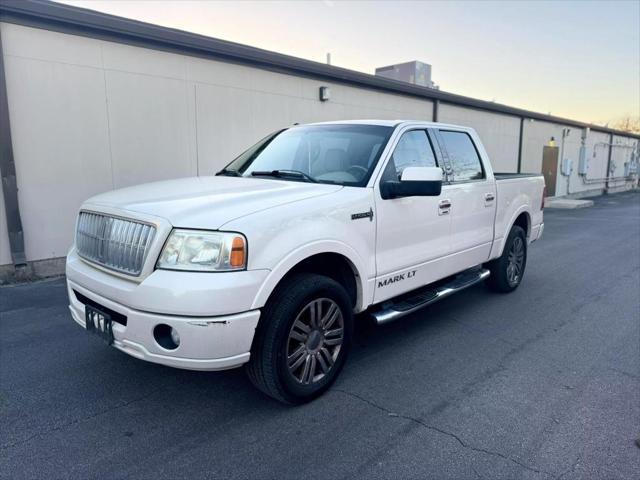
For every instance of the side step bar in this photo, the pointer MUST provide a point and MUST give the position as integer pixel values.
(427, 295)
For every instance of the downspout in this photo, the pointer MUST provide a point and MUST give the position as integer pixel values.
(606, 185)
(434, 115)
(520, 145)
(565, 134)
(8, 174)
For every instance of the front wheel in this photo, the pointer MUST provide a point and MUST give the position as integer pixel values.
(507, 270)
(302, 340)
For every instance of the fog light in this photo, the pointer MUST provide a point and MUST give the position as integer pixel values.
(175, 336)
(167, 337)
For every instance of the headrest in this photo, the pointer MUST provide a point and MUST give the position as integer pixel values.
(335, 160)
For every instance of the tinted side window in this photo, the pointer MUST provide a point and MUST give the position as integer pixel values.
(413, 150)
(463, 155)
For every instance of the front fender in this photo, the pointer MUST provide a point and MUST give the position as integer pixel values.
(309, 250)
(288, 234)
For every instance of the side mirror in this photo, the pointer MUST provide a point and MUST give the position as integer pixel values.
(414, 182)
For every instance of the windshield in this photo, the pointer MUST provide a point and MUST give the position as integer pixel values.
(337, 154)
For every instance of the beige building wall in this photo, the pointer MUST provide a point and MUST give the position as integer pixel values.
(537, 134)
(623, 147)
(89, 116)
(500, 134)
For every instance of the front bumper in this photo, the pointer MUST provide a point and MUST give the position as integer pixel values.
(202, 307)
(206, 343)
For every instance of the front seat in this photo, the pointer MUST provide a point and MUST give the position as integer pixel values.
(335, 160)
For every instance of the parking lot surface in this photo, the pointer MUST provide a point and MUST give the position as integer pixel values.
(540, 383)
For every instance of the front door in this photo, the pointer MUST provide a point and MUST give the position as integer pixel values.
(412, 238)
(550, 168)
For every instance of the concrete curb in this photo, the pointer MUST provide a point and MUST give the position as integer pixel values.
(32, 271)
(567, 203)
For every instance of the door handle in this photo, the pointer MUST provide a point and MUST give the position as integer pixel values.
(444, 207)
(488, 199)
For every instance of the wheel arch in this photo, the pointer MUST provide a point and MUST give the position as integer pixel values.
(334, 260)
(522, 218)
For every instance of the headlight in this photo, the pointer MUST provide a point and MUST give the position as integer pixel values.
(204, 251)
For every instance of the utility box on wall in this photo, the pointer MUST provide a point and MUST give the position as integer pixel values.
(583, 161)
(566, 167)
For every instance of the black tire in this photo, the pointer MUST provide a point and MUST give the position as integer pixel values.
(271, 352)
(502, 277)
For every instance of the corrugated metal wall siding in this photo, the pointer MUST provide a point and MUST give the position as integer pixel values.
(90, 115)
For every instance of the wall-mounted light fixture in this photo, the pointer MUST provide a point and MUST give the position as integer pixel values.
(324, 94)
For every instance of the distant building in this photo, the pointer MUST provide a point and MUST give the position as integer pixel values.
(415, 72)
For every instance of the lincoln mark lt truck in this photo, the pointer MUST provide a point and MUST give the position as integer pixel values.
(266, 263)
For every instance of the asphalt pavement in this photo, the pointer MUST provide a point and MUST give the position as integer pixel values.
(541, 383)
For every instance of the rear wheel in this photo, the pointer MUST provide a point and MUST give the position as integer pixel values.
(508, 270)
(302, 340)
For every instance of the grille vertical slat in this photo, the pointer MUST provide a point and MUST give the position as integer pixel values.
(118, 242)
(126, 244)
(141, 242)
(134, 242)
(115, 243)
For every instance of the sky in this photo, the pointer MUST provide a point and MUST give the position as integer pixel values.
(574, 59)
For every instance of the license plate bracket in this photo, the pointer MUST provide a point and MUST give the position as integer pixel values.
(99, 323)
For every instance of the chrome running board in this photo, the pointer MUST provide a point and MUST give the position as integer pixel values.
(411, 302)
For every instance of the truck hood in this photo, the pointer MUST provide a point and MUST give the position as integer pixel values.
(207, 202)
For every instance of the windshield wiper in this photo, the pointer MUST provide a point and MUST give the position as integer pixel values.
(284, 174)
(229, 173)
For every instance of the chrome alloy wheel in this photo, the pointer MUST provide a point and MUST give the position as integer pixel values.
(515, 261)
(314, 341)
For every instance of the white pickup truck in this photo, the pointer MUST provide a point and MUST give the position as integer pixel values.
(266, 263)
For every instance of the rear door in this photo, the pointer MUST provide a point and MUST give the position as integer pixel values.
(550, 168)
(473, 199)
(412, 236)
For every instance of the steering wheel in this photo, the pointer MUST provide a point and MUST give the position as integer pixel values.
(357, 171)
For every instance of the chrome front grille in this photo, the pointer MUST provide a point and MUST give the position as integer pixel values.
(113, 242)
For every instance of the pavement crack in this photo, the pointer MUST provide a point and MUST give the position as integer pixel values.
(456, 437)
(76, 421)
(477, 473)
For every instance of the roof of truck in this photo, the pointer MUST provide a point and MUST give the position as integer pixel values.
(386, 123)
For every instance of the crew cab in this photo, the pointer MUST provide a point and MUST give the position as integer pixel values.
(266, 263)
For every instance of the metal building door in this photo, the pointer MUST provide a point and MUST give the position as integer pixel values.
(550, 168)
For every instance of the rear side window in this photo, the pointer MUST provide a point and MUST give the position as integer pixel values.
(413, 150)
(463, 155)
